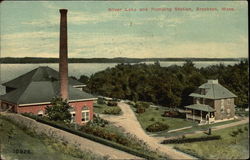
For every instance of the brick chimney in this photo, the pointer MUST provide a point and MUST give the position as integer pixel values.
(63, 61)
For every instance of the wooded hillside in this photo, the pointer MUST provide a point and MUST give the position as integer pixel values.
(168, 86)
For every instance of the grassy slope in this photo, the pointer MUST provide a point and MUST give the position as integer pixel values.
(227, 148)
(41, 148)
(145, 119)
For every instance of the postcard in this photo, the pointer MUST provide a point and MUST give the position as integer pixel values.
(84, 80)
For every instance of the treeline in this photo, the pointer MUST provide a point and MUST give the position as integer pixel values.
(13, 60)
(167, 86)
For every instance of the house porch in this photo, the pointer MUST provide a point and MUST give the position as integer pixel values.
(201, 113)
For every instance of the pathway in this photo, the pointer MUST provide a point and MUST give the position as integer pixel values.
(129, 122)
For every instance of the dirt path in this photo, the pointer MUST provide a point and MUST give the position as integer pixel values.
(129, 122)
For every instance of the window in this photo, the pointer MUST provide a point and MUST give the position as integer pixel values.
(85, 114)
(222, 102)
(222, 109)
(73, 114)
(198, 101)
(73, 117)
(40, 113)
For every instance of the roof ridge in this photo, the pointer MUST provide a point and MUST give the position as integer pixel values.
(21, 76)
(25, 90)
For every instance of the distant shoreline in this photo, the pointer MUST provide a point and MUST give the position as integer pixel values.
(25, 60)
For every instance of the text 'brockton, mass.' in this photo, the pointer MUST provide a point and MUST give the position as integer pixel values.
(165, 9)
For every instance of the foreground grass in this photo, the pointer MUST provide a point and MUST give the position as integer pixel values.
(14, 140)
(152, 115)
(229, 147)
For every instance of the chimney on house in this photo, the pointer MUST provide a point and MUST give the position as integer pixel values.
(63, 50)
(215, 81)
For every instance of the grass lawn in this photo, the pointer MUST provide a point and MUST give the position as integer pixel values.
(99, 108)
(153, 115)
(14, 140)
(228, 147)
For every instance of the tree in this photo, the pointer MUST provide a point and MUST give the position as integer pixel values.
(59, 110)
(84, 79)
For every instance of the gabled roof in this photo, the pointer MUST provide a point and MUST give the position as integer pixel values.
(213, 90)
(201, 107)
(40, 86)
(43, 73)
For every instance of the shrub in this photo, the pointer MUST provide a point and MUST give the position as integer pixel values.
(141, 105)
(100, 101)
(140, 110)
(112, 103)
(152, 119)
(59, 110)
(171, 114)
(234, 133)
(156, 127)
(97, 121)
(240, 130)
(112, 110)
(246, 128)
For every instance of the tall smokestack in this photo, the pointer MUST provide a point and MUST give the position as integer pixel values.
(63, 62)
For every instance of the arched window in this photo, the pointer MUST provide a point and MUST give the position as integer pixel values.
(40, 113)
(73, 114)
(85, 114)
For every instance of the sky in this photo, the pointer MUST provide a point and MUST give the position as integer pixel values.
(31, 29)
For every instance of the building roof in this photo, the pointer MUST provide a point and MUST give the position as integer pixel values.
(201, 107)
(212, 90)
(40, 86)
(42, 73)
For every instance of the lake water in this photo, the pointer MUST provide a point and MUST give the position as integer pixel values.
(11, 71)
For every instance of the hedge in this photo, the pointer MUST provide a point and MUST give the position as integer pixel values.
(190, 140)
(92, 137)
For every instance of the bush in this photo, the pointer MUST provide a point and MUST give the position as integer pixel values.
(59, 110)
(234, 133)
(100, 101)
(190, 140)
(240, 130)
(112, 110)
(156, 127)
(152, 119)
(112, 103)
(142, 105)
(140, 110)
(97, 121)
(246, 128)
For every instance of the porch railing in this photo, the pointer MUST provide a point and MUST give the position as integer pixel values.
(195, 117)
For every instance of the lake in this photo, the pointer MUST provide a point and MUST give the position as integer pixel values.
(11, 71)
